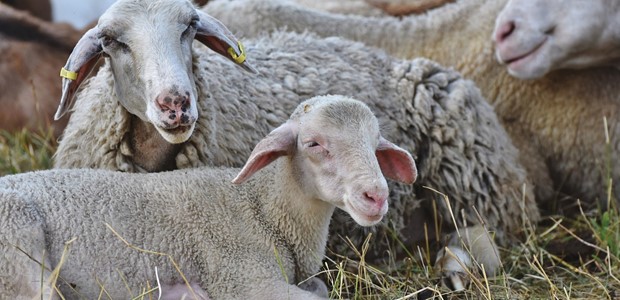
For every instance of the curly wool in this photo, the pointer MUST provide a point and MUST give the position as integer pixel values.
(460, 147)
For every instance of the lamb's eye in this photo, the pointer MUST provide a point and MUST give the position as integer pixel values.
(312, 144)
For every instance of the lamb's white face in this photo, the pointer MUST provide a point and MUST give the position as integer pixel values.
(534, 37)
(338, 162)
(150, 55)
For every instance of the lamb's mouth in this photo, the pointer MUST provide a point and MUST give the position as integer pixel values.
(519, 58)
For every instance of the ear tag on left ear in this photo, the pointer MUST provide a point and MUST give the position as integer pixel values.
(68, 74)
(237, 58)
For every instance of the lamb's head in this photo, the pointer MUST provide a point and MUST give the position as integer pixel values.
(337, 155)
(534, 37)
(149, 45)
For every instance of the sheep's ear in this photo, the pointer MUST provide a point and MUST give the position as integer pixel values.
(396, 163)
(280, 142)
(216, 36)
(79, 64)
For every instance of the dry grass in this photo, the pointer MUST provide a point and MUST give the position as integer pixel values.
(562, 258)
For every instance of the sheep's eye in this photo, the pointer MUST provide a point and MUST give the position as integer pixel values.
(110, 42)
(192, 25)
(312, 144)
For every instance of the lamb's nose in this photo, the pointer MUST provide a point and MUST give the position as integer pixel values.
(504, 31)
(378, 199)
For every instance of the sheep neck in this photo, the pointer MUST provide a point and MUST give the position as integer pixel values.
(149, 149)
(298, 223)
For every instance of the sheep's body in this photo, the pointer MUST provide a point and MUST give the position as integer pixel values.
(234, 242)
(460, 147)
(556, 122)
(31, 51)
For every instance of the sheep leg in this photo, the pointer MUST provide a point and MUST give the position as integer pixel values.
(277, 289)
(316, 286)
(22, 253)
(474, 248)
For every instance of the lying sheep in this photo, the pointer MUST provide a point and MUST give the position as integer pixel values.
(461, 148)
(31, 51)
(535, 37)
(254, 241)
(556, 121)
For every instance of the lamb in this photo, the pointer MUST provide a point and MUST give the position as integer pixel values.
(32, 50)
(230, 242)
(556, 122)
(430, 110)
(535, 37)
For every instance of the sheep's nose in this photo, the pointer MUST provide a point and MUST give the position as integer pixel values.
(377, 198)
(175, 106)
(504, 31)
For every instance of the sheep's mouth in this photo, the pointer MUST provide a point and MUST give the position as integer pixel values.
(177, 130)
(521, 57)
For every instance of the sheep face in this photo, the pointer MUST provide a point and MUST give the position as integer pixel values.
(338, 156)
(149, 46)
(534, 37)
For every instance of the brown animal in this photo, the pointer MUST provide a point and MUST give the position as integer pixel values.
(41, 9)
(33, 51)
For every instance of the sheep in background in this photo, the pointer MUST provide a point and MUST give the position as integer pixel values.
(31, 51)
(431, 110)
(229, 242)
(535, 37)
(556, 122)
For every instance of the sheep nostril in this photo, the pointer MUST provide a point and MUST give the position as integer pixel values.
(505, 31)
(374, 198)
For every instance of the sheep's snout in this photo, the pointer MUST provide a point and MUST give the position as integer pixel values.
(369, 207)
(174, 108)
(503, 31)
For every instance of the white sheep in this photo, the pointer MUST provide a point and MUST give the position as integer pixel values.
(556, 122)
(535, 37)
(455, 135)
(254, 241)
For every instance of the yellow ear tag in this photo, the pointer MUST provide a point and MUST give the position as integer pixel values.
(307, 108)
(237, 58)
(68, 74)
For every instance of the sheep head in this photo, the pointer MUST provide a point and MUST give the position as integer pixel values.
(535, 37)
(149, 46)
(337, 155)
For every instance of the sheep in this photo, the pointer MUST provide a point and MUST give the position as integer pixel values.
(460, 146)
(31, 51)
(556, 122)
(254, 241)
(535, 37)
(406, 7)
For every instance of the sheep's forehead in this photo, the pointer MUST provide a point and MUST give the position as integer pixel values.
(341, 118)
(137, 16)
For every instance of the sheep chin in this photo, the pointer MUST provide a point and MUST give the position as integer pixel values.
(176, 135)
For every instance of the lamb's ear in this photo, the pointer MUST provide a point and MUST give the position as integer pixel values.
(216, 36)
(396, 163)
(280, 142)
(79, 64)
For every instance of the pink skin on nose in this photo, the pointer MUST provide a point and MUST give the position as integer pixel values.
(376, 199)
(504, 31)
(174, 108)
